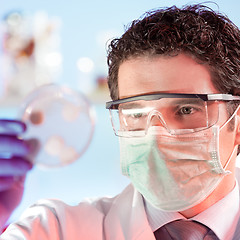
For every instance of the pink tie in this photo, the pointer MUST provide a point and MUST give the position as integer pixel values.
(184, 230)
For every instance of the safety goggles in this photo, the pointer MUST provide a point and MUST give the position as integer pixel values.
(178, 113)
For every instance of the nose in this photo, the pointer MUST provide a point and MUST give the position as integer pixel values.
(155, 118)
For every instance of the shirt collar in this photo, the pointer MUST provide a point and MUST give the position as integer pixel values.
(157, 218)
(221, 218)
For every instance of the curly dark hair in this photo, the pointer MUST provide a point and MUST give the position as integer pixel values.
(210, 37)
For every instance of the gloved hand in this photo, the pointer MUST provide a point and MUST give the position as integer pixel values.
(14, 164)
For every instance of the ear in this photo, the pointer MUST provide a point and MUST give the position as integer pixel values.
(237, 127)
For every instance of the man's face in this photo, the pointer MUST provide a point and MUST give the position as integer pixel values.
(179, 74)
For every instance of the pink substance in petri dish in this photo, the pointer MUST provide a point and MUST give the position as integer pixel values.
(36, 117)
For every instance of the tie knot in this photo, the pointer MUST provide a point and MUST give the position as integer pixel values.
(185, 230)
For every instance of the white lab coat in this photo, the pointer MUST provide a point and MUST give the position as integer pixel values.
(120, 218)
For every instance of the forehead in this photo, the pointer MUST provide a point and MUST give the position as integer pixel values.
(178, 74)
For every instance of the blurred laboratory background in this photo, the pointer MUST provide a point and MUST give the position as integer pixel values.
(65, 42)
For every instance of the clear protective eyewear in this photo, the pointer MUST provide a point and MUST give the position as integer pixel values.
(178, 113)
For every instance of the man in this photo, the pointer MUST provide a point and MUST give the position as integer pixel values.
(174, 80)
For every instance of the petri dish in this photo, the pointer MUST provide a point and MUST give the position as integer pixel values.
(62, 122)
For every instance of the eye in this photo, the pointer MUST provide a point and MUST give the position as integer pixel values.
(185, 110)
(137, 115)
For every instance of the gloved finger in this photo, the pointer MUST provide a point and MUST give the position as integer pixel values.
(11, 145)
(33, 146)
(6, 182)
(12, 127)
(15, 166)
(10, 183)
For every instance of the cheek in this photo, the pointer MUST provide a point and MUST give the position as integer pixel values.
(227, 136)
(226, 143)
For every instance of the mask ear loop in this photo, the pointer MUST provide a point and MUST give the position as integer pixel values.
(230, 118)
(228, 161)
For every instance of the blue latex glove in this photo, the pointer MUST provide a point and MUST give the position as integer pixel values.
(14, 164)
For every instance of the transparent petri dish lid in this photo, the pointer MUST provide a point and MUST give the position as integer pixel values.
(62, 122)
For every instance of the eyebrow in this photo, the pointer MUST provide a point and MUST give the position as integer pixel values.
(130, 105)
(135, 104)
(196, 101)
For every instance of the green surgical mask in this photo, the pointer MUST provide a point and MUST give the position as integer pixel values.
(172, 172)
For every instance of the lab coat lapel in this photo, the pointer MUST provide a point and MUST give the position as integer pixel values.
(127, 219)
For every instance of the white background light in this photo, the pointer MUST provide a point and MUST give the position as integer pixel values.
(53, 59)
(85, 64)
